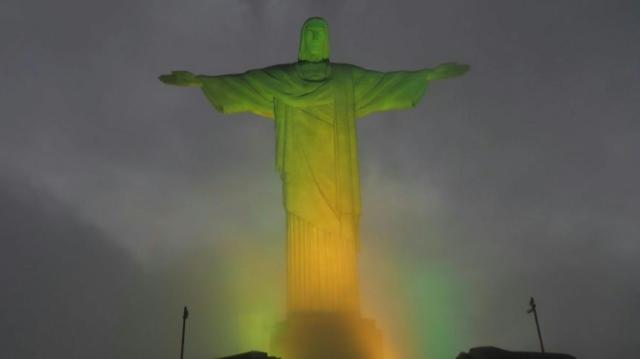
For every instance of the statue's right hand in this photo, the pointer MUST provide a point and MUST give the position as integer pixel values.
(180, 78)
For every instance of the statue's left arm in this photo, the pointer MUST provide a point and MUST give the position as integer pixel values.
(376, 91)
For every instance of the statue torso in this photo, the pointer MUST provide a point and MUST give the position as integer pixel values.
(313, 160)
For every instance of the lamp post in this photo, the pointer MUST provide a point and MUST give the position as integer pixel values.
(532, 308)
(185, 315)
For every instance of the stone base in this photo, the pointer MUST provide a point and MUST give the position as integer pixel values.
(327, 336)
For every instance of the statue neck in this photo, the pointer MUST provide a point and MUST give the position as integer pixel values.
(313, 71)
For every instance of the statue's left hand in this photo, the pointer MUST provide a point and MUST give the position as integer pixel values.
(447, 70)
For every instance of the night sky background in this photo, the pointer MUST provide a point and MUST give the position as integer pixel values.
(122, 199)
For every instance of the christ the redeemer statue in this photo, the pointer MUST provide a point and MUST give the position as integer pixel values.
(314, 104)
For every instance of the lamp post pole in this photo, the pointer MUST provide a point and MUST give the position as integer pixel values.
(532, 308)
(185, 315)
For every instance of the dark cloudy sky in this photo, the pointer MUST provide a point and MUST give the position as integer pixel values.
(122, 199)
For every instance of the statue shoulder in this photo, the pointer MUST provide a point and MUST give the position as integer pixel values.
(355, 72)
(280, 69)
(269, 74)
(342, 67)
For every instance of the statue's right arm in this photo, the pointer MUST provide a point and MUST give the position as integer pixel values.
(181, 78)
(231, 93)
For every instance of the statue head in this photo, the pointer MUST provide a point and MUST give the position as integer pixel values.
(314, 40)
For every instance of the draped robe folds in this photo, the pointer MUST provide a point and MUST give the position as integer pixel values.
(316, 157)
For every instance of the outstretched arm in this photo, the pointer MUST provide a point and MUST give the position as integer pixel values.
(232, 93)
(446, 71)
(376, 91)
(181, 78)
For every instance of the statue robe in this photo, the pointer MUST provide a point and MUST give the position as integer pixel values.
(316, 157)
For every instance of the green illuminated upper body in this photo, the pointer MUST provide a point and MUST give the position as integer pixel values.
(315, 103)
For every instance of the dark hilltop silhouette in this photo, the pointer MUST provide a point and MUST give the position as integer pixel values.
(249, 355)
(497, 353)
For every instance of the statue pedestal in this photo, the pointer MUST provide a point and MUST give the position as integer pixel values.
(318, 335)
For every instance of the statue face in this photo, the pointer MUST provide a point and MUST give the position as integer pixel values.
(314, 40)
